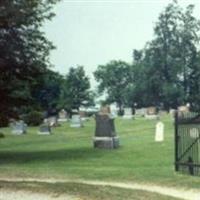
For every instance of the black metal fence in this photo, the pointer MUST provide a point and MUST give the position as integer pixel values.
(187, 143)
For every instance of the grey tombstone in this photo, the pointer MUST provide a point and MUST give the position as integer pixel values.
(44, 129)
(152, 113)
(62, 116)
(141, 112)
(128, 113)
(19, 128)
(76, 121)
(105, 135)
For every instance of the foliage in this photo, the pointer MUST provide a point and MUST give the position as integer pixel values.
(34, 118)
(24, 50)
(168, 66)
(114, 78)
(47, 93)
(75, 91)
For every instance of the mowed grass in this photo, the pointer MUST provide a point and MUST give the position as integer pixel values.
(69, 153)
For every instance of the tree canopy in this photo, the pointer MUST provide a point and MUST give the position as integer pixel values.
(24, 55)
(165, 72)
(75, 90)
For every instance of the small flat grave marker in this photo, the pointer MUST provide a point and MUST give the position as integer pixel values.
(44, 130)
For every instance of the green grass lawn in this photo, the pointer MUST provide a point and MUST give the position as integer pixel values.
(69, 153)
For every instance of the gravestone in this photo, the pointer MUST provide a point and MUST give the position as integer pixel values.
(52, 121)
(172, 112)
(105, 135)
(19, 128)
(182, 111)
(128, 113)
(141, 112)
(163, 112)
(83, 115)
(151, 113)
(159, 134)
(62, 116)
(44, 129)
(194, 133)
(114, 110)
(114, 113)
(76, 121)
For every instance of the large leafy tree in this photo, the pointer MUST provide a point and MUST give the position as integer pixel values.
(75, 91)
(114, 79)
(170, 60)
(24, 50)
(47, 92)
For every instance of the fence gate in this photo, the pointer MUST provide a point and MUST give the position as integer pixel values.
(187, 143)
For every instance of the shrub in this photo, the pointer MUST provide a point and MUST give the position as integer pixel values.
(34, 118)
(3, 120)
(2, 135)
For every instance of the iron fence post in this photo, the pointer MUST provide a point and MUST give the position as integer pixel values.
(176, 141)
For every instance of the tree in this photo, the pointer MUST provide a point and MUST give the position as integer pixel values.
(47, 93)
(113, 78)
(24, 50)
(75, 90)
(170, 60)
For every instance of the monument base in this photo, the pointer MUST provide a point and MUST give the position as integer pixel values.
(18, 132)
(76, 125)
(152, 117)
(127, 116)
(44, 133)
(62, 120)
(106, 142)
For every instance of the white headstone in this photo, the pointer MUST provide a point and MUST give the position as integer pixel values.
(62, 116)
(127, 113)
(194, 133)
(76, 121)
(159, 135)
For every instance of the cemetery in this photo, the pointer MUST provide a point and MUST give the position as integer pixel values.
(90, 109)
(145, 153)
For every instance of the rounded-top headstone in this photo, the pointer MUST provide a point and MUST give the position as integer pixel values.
(159, 135)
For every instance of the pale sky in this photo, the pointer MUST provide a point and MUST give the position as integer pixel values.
(94, 32)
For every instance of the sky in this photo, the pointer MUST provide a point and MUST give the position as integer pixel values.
(94, 32)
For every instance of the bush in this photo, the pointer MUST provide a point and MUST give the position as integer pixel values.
(34, 118)
(3, 120)
(2, 135)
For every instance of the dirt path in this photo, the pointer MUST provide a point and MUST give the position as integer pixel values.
(26, 195)
(173, 192)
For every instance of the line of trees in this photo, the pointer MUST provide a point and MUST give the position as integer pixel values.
(166, 72)
(26, 80)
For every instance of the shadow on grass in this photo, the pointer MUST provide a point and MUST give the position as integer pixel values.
(7, 157)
